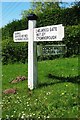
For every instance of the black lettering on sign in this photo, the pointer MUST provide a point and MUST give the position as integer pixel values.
(38, 30)
(43, 33)
(46, 37)
(53, 28)
(18, 36)
(38, 34)
(42, 30)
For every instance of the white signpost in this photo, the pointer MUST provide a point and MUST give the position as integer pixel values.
(33, 35)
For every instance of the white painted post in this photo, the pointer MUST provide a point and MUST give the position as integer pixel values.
(32, 53)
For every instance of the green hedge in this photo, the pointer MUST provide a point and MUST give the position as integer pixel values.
(71, 39)
(14, 52)
(18, 52)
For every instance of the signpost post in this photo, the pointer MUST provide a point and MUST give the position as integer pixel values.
(33, 35)
(32, 54)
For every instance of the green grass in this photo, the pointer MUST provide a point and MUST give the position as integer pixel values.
(55, 97)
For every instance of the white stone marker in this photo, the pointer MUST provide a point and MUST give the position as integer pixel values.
(32, 53)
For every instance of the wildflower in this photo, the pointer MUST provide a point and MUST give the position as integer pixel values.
(48, 93)
(27, 102)
(39, 117)
(45, 98)
(17, 97)
(14, 111)
(66, 85)
(22, 116)
(48, 117)
(7, 116)
(63, 93)
(29, 99)
(30, 115)
(12, 116)
(28, 105)
(33, 113)
(22, 112)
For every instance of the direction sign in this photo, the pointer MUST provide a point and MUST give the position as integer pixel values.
(21, 36)
(49, 33)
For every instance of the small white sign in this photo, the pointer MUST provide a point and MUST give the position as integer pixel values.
(49, 33)
(21, 36)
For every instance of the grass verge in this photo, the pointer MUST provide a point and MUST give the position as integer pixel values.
(57, 95)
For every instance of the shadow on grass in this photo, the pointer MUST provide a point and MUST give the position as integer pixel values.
(58, 79)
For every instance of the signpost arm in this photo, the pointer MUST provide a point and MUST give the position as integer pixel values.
(32, 54)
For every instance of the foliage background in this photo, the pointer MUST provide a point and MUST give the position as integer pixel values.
(48, 14)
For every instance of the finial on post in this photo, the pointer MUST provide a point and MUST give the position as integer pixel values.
(32, 56)
(32, 17)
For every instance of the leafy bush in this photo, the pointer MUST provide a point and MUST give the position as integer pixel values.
(8, 30)
(71, 39)
(13, 52)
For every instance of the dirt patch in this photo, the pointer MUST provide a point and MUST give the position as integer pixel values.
(10, 91)
(18, 79)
